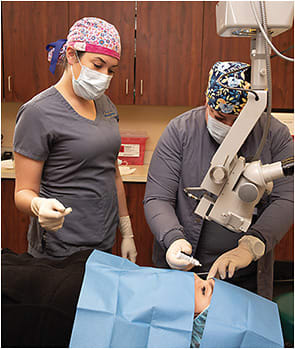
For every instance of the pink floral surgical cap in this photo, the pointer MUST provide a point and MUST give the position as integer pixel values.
(88, 34)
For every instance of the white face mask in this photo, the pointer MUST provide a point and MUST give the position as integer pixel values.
(217, 129)
(90, 83)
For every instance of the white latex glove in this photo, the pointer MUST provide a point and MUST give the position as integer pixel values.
(250, 249)
(50, 212)
(171, 255)
(128, 249)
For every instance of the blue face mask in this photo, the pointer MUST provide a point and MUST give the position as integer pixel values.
(198, 328)
(217, 129)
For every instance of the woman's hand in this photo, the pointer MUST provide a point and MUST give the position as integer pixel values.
(128, 249)
(50, 212)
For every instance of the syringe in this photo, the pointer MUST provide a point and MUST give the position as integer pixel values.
(192, 260)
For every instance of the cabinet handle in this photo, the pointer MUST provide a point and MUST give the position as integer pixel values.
(141, 87)
(126, 87)
(9, 83)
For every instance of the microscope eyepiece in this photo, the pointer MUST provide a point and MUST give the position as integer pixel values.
(288, 166)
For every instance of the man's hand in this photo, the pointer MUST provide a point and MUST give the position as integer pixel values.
(128, 249)
(250, 249)
(171, 255)
(50, 212)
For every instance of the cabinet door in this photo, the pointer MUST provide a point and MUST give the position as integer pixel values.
(14, 224)
(284, 251)
(122, 15)
(168, 52)
(283, 72)
(143, 237)
(28, 26)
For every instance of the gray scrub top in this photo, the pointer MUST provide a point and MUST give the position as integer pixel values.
(182, 158)
(79, 170)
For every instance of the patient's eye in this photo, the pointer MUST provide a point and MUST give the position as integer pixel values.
(203, 290)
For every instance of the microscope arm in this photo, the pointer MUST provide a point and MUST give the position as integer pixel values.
(233, 187)
(225, 157)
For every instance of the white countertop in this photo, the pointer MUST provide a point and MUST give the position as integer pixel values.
(7, 173)
(140, 175)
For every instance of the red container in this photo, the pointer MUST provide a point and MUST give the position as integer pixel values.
(132, 149)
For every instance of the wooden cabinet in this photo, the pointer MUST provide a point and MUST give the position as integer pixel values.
(14, 224)
(168, 52)
(168, 41)
(284, 251)
(143, 235)
(283, 72)
(28, 26)
(168, 48)
(121, 14)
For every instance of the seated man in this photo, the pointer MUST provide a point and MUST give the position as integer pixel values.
(94, 299)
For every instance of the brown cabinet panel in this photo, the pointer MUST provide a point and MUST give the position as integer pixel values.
(284, 251)
(168, 52)
(28, 26)
(122, 15)
(176, 44)
(142, 235)
(283, 72)
(14, 224)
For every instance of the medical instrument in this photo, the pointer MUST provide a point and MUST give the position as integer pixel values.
(233, 186)
(68, 210)
(190, 259)
(203, 273)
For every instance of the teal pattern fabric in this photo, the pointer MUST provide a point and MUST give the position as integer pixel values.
(227, 99)
(198, 328)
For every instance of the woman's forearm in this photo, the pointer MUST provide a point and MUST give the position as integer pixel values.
(123, 210)
(27, 181)
(23, 200)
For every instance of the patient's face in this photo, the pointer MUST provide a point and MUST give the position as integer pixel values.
(203, 293)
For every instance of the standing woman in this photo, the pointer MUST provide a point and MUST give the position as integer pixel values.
(66, 144)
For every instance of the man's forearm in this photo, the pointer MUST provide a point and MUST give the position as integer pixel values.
(163, 222)
(274, 222)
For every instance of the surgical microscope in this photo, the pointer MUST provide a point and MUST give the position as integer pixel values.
(233, 186)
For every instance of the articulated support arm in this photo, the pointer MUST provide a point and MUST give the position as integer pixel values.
(235, 204)
(238, 186)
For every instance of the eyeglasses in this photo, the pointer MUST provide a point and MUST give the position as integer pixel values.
(228, 119)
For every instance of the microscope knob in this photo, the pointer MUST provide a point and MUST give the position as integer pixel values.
(218, 174)
(248, 192)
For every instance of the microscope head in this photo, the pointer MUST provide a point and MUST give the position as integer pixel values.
(236, 18)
